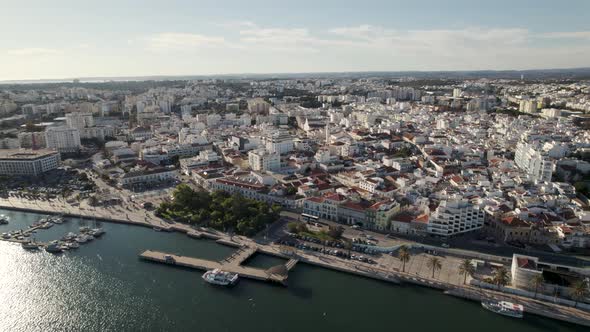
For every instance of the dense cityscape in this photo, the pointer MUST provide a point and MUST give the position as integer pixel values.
(295, 166)
(483, 181)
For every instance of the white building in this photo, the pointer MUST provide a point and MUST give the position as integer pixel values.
(27, 162)
(455, 217)
(147, 176)
(281, 144)
(79, 120)
(528, 106)
(538, 167)
(63, 139)
(261, 160)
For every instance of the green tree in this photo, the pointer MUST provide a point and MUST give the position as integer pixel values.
(501, 277)
(293, 227)
(434, 263)
(335, 231)
(466, 269)
(404, 256)
(579, 291)
(537, 283)
(347, 245)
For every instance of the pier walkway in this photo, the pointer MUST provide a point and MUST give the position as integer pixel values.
(230, 264)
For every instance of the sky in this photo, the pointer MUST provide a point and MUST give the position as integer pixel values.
(68, 39)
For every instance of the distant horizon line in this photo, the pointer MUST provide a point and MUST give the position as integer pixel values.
(164, 77)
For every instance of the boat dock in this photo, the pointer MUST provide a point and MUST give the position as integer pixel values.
(230, 264)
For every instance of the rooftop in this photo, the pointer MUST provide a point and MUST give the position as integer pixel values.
(25, 154)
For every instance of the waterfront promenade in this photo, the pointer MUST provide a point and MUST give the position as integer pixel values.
(387, 269)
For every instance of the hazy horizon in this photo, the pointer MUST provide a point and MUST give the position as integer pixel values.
(67, 39)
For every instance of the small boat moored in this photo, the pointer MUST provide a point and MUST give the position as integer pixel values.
(30, 245)
(504, 308)
(221, 278)
(54, 247)
(4, 219)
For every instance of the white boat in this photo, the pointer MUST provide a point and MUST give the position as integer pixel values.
(30, 245)
(53, 247)
(222, 278)
(46, 225)
(73, 245)
(504, 308)
(82, 238)
(97, 232)
(69, 237)
(4, 219)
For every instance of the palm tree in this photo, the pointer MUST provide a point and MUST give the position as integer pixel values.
(347, 244)
(537, 283)
(466, 269)
(579, 291)
(404, 255)
(434, 263)
(501, 277)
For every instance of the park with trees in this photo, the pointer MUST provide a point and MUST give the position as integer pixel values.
(218, 210)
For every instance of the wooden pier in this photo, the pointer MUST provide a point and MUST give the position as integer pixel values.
(230, 264)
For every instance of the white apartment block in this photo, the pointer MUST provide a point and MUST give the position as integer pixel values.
(280, 145)
(538, 167)
(528, 106)
(261, 160)
(63, 139)
(79, 120)
(455, 217)
(27, 162)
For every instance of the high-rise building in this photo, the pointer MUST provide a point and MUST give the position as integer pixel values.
(79, 120)
(63, 139)
(532, 161)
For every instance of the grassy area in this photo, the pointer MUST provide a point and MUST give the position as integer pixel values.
(318, 235)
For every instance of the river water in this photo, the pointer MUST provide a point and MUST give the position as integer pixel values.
(103, 286)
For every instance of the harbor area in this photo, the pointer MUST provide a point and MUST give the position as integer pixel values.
(233, 264)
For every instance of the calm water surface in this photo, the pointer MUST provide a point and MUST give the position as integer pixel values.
(103, 286)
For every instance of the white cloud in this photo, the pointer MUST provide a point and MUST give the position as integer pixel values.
(568, 35)
(33, 51)
(173, 41)
(368, 47)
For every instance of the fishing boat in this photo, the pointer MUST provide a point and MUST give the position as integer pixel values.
(504, 308)
(4, 219)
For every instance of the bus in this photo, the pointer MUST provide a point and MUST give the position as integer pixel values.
(309, 218)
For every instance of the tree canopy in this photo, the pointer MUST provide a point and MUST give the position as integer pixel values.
(219, 210)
